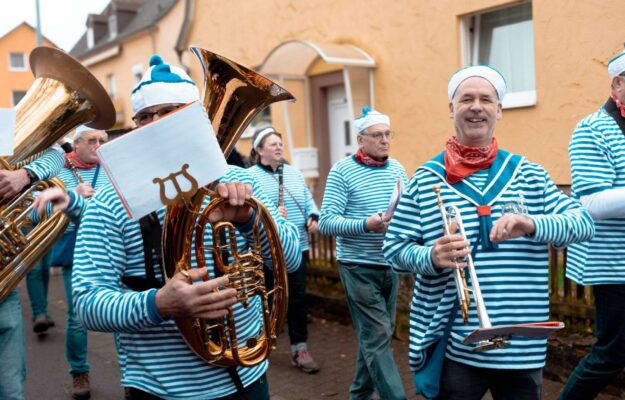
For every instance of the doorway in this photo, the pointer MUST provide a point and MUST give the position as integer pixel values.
(342, 140)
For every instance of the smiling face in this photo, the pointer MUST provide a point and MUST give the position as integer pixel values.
(475, 110)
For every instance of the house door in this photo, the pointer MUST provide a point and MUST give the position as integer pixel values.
(342, 140)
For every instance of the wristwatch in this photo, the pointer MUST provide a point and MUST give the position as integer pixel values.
(31, 176)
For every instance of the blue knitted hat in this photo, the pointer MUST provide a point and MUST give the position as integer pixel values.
(161, 84)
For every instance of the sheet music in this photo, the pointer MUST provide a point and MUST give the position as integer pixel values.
(156, 151)
(7, 131)
(395, 196)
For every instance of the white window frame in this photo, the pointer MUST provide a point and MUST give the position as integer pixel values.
(18, 69)
(470, 51)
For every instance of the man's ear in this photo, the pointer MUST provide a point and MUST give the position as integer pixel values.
(451, 110)
(359, 139)
(499, 110)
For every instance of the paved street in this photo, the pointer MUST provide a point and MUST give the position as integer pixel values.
(332, 344)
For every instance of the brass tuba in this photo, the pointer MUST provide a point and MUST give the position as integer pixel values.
(63, 96)
(233, 95)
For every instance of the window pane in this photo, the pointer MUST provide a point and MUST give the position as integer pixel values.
(506, 42)
(17, 96)
(17, 61)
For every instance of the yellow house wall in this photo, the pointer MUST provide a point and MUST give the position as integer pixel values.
(21, 40)
(160, 39)
(417, 46)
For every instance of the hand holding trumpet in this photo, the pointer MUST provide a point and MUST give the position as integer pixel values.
(450, 251)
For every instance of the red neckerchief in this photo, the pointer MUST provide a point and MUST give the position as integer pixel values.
(362, 158)
(462, 161)
(619, 105)
(77, 162)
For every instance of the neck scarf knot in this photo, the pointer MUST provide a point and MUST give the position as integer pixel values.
(77, 162)
(462, 161)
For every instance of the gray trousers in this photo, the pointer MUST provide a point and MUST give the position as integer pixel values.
(371, 298)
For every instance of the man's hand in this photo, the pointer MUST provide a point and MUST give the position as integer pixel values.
(12, 182)
(234, 209)
(179, 297)
(313, 226)
(511, 226)
(376, 223)
(57, 196)
(85, 190)
(283, 212)
(450, 251)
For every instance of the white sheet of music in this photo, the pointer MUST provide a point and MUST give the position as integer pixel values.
(136, 161)
(7, 131)
(395, 197)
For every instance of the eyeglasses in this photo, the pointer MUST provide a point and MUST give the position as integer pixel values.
(143, 118)
(378, 135)
(94, 141)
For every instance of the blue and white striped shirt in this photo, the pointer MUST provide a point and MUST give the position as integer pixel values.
(353, 193)
(513, 278)
(297, 198)
(77, 204)
(48, 165)
(153, 356)
(597, 155)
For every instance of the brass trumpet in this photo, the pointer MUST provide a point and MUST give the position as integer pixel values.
(448, 215)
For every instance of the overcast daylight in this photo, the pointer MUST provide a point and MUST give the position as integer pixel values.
(312, 199)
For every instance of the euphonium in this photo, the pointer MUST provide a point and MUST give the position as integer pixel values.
(63, 96)
(233, 95)
(448, 215)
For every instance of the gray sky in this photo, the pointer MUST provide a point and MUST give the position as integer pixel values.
(62, 21)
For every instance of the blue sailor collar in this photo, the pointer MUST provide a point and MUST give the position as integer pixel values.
(501, 174)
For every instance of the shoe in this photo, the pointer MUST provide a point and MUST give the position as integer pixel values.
(304, 361)
(40, 324)
(80, 386)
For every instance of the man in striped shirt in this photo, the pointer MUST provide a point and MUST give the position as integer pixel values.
(12, 367)
(356, 197)
(118, 285)
(597, 156)
(82, 176)
(510, 255)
